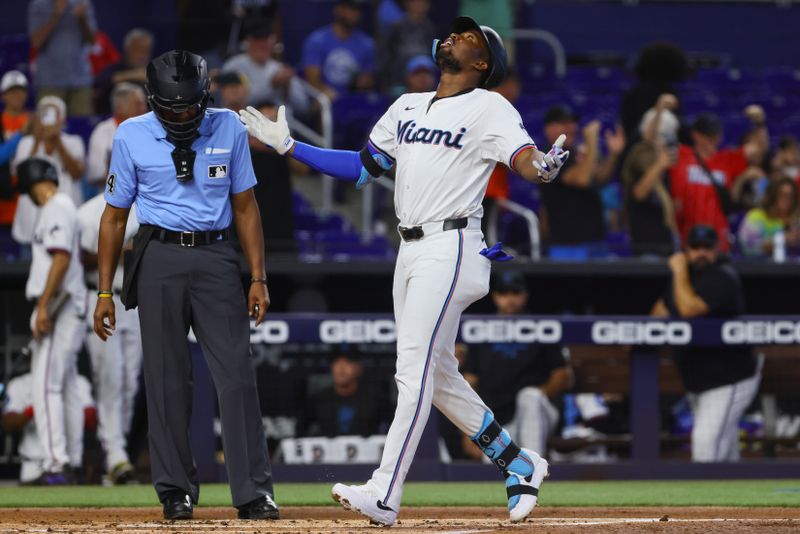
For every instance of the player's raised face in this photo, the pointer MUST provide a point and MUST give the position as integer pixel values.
(465, 50)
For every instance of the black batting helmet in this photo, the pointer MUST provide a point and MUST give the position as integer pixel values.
(177, 81)
(498, 59)
(33, 170)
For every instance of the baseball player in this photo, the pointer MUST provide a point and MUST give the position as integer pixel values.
(117, 362)
(444, 145)
(56, 283)
(18, 416)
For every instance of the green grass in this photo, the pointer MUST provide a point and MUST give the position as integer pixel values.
(640, 493)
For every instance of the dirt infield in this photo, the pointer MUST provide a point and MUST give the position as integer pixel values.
(412, 520)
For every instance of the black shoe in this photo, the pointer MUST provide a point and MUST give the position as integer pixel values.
(261, 508)
(178, 506)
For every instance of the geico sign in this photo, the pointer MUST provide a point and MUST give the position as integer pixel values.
(380, 331)
(781, 332)
(272, 332)
(511, 331)
(641, 332)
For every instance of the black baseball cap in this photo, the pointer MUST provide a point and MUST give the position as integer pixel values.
(702, 236)
(707, 124)
(230, 77)
(510, 282)
(560, 113)
(258, 28)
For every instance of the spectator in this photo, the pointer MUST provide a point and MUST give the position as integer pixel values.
(65, 151)
(13, 124)
(269, 78)
(388, 13)
(18, 416)
(659, 68)
(778, 213)
(137, 53)
(697, 199)
(521, 381)
(573, 208)
(420, 75)
(648, 204)
(62, 33)
(339, 58)
(127, 100)
(403, 40)
(234, 90)
(273, 191)
(347, 407)
(786, 161)
(721, 381)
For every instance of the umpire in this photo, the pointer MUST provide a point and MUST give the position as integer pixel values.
(188, 169)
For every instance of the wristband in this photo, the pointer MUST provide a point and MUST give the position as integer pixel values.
(105, 294)
(258, 281)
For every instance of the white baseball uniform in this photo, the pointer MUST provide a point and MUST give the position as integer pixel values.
(116, 362)
(445, 150)
(31, 450)
(59, 412)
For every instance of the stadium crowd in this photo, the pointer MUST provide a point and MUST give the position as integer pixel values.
(649, 175)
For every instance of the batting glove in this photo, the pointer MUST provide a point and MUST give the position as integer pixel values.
(274, 134)
(366, 178)
(496, 253)
(552, 161)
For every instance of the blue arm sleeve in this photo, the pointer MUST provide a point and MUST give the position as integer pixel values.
(343, 164)
(9, 148)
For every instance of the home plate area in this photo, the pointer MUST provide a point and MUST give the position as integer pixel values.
(412, 520)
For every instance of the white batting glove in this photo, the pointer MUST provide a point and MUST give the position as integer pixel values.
(272, 133)
(552, 161)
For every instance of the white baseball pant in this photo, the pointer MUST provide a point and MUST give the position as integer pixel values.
(715, 434)
(116, 364)
(57, 405)
(435, 279)
(534, 420)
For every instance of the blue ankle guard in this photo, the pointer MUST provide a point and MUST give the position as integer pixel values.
(496, 443)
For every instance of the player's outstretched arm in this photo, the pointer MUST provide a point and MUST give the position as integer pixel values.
(362, 166)
(538, 166)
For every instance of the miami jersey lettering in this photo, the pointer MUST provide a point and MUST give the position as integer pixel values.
(445, 149)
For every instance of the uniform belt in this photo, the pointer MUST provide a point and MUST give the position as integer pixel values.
(190, 239)
(415, 233)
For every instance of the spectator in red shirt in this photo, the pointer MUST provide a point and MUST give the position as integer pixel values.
(697, 200)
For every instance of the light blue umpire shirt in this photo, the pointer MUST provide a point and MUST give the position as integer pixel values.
(142, 170)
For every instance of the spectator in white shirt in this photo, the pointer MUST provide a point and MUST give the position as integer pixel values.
(269, 78)
(127, 100)
(65, 151)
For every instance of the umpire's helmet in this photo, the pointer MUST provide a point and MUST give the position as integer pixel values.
(498, 59)
(178, 81)
(33, 170)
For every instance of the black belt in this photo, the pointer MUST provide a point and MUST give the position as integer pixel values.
(414, 233)
(190, 239)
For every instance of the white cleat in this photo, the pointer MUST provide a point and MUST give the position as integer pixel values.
(361, 500)
(523, 492)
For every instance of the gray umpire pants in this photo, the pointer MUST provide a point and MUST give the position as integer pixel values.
(200, 286)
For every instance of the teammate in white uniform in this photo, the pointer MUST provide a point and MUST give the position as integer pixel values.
(445, 145)
(18, 415)
(57, 323)
(116, 363)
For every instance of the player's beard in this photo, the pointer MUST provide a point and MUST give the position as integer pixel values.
(446, 62)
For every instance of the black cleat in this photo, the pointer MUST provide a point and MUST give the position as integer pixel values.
(261, 508)
(178, 506)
